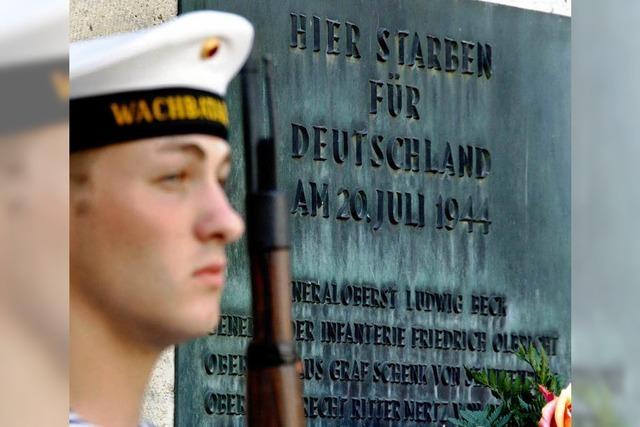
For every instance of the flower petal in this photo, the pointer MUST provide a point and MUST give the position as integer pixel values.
(563, 406)
(547, 414)
(548, 396)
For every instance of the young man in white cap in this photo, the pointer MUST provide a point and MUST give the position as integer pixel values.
(149, 215)
(34, 202)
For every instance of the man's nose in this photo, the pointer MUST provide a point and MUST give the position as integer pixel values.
(217, 219)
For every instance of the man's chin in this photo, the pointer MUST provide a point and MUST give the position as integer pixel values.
(185, 329)
(203, 326)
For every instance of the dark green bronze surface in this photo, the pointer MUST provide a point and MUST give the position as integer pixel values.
(511, 251)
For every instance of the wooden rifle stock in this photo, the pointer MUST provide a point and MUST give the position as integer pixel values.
(274, 388)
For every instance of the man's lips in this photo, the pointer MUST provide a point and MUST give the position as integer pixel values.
(212, 274)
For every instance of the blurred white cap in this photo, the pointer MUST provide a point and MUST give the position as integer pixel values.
(33, 31)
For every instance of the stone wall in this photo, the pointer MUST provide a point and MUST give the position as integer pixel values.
(94, 18)
(559, 7)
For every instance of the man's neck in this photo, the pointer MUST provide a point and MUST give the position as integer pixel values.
(25, 360)
(109, 371)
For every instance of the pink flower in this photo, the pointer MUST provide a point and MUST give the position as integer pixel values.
(548, 396)
(557, 412)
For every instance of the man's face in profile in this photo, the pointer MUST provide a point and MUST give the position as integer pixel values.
(34, 231)
(149, 223)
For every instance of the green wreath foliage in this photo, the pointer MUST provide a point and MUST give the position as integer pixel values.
(490, 416)
(519, 397)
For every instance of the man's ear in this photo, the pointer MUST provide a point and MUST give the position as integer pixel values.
(80, 181)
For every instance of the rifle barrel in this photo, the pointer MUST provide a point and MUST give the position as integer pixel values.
(274, 388)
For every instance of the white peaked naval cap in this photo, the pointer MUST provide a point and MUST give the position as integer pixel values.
(33, 31)
(164, 80)
(34, 80)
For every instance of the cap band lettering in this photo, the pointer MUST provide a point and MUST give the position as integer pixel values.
(102, 120)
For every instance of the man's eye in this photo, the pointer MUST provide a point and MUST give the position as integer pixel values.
(174, 178)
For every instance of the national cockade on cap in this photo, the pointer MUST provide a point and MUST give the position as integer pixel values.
(167, 80)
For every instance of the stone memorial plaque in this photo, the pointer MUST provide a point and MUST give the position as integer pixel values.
(425, 152)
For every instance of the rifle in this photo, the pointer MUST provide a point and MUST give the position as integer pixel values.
(274, 389)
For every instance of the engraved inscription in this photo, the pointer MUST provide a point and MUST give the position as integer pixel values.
(425, 174)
